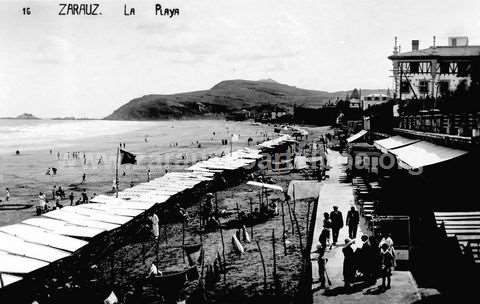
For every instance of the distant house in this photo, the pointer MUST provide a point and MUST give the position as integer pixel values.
(355, 103)
(434, 71)
(239, 115)
(373, 99)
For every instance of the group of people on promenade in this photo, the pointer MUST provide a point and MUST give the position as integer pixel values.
(333, 222)
(371, 258)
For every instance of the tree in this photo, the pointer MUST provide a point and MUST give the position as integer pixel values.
(355, 94)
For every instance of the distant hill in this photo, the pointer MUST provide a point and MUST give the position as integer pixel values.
(225, 97)
(23, 116)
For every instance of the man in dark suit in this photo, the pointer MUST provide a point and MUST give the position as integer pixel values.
(353, 218)
(336, 219)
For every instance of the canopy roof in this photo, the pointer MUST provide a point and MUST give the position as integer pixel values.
(356, 136)
(263, 185)
(422, 153)
(393, 142)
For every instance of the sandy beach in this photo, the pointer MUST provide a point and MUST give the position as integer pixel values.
(170, 145)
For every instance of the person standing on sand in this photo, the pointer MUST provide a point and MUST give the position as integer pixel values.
(42, 201)
(71, 197)
(54, 192)
(84, 178)
(155, 228)
(7, 194)
(148, 175)
(84, 197)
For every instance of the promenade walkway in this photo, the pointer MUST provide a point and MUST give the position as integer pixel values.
(335, 191)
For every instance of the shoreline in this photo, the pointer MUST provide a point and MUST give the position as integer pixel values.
(138, 249)
(25, 174)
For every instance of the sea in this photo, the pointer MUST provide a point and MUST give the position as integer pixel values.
(30, 135)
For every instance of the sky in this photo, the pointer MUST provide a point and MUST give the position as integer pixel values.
(87, 66)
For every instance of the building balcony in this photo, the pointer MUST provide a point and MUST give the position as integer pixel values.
(460, 128)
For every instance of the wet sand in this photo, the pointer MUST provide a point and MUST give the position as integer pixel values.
(25, 174)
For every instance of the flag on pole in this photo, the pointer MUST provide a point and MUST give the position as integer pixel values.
(235, 137)
(127, 158)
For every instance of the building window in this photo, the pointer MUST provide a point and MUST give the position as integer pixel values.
(423, 87)
(425, 67)
(444, 67)
(414, 67)
(443, 87)
(463, 69)
(404, 67)
(404, 87)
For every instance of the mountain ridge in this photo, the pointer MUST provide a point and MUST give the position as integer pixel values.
(225, 97)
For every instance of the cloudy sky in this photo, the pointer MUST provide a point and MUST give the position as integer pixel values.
(54, 65)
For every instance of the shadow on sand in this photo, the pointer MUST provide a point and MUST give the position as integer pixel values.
(354, 288)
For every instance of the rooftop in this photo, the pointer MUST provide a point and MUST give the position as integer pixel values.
(441, 51)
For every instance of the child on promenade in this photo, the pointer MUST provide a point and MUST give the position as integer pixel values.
(387, 264)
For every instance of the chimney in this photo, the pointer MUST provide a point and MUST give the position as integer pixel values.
(395, 47)
(457, 41)
(415, 45)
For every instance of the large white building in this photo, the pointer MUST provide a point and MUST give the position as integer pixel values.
(433, 71)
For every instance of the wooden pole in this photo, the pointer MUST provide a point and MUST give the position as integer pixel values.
(274, 260)
(203, 263)
(216, 205)
(298, 229)
(263, 265)
(308, 220)
(238, 219)
(283, 230)
(294, 200)
(260, 197)
(165, 233)
(291, 218)
(201, 215)
(158, 251)
(251, 218)
(116, 173)
(223, 254)
(183, 240)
